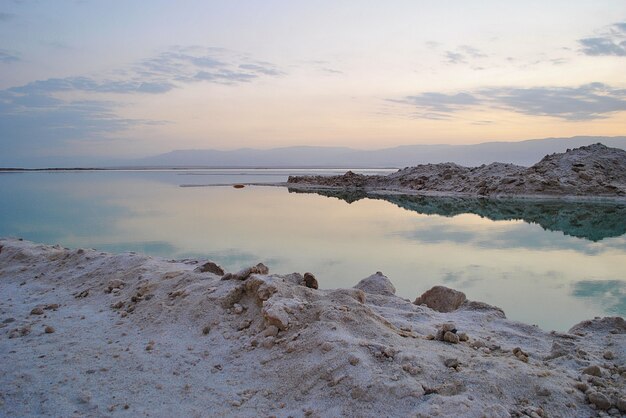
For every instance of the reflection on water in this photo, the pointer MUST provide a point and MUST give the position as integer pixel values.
(590, 220)
(542, 262)
(610, 293)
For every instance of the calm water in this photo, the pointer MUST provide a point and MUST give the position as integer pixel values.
(546, 263)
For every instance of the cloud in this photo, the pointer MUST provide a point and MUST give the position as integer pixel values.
(438, 105)
(586, 102)
(472, 52)
(40, 114)
(455, 58)
(7, 57)
(59, 45)
(4, 17)
(191, 64)
(611, 42)
(463, 54)
(40, 121)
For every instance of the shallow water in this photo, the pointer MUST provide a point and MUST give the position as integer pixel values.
(544, 262)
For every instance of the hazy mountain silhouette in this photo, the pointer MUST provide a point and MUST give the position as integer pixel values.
(523, 153)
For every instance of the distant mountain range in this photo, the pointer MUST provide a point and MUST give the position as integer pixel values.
(523, 153)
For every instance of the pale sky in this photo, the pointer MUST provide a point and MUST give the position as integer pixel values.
(136, 78)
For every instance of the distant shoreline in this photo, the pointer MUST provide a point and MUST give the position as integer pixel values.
(166, 168)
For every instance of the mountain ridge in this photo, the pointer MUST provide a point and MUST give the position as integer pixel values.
(524, 153)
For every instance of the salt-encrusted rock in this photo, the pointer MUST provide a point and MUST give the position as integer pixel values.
(451, 362)
(542, 391)
(476, 344)
(521, 355)
(621, 404)
(593, 370)
(245, 324)
(613, 324)
(247, 272)
(583, 387)
(448, 326)
(450, 337)
(37, 311)
(377, 284)
(310, 281)
(608, 355)
(115, 284)
(447, 333)
(209, 267)
(472, 305)
(278, 311)
(442, 299)
(600, 400)
(270, 331)
(593, 170)
(20, 332)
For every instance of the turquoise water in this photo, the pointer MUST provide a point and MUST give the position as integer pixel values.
(544, 262)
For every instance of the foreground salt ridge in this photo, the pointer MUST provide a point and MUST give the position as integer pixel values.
(594, 171)
(90, 333)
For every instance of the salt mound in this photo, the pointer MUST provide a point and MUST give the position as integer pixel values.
(590, 171)
(141, 335)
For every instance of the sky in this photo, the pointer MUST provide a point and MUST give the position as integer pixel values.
(136, 78)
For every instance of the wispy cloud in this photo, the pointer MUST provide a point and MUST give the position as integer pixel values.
(7, 57)
(455, 58)
(4, 17)
(41, 114)
(612, 41)
(463, 55)
(441, 102)
(191, 64)
(586, 102)
(59, 45)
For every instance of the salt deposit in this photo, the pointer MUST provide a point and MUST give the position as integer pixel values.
(86, 333)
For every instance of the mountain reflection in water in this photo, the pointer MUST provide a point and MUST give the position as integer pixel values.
(591, 220)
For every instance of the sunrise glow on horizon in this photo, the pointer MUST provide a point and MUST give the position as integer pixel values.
(134, 79)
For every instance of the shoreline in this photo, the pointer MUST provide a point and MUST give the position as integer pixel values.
(593, 171)
(433, 193)
(128, 330)
(422, 193)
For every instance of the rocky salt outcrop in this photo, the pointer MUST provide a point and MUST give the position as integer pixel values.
(441, 299)
(377, 284)
(593, 170)
(129, 334)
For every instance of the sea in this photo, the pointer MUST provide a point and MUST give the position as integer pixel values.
(550, 263)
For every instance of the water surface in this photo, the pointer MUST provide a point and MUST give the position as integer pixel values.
(548, 263)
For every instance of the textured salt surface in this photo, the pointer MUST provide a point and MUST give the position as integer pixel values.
(131, 335)
(590, 171)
